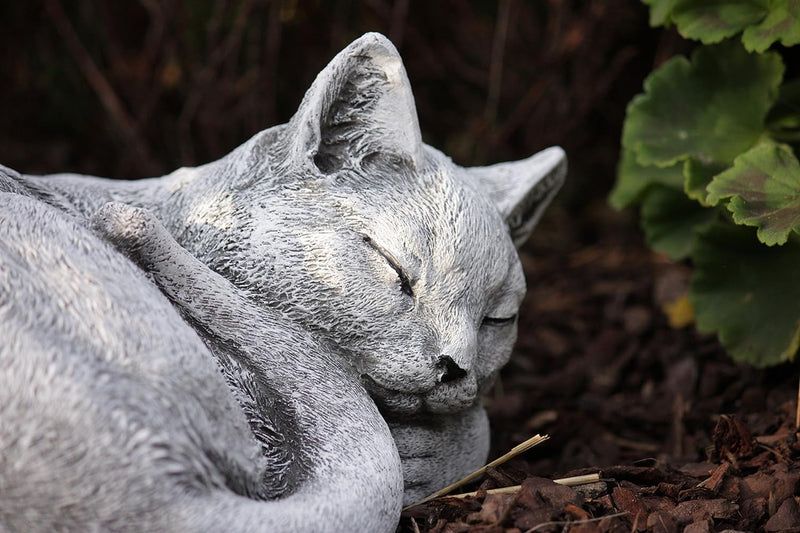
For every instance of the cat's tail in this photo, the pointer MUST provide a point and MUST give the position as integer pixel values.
(347, 507)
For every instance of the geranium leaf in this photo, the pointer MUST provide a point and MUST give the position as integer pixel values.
(671, 221)
(747, 294)
(711, 108)
(781, 24)
(711, 21)
(697, 177)
(634, 179)
(764, 188)
(660, 11)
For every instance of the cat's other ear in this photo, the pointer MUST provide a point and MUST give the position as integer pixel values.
(359, 107)
(521, 190)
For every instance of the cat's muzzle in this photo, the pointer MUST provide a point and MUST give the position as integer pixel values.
(445, 397)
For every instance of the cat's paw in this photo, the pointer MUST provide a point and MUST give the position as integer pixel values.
(125, 226)
(440, 450)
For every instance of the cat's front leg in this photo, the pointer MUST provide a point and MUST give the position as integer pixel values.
(205, 296)
(317, 406)
(440, 449)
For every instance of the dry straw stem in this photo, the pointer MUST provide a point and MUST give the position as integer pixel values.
(566, 481)
(516, 450)
(573, 522)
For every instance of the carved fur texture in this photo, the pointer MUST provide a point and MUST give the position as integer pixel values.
(292, 338)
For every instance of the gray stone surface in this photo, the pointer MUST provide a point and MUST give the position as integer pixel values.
(291, 338)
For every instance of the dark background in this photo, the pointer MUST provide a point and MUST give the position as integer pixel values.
(134, 88)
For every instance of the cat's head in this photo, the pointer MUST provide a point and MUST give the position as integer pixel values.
(380, 243)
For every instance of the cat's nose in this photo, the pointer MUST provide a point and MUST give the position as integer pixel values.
(450, 369)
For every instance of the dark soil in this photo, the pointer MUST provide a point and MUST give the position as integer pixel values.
(683, 438)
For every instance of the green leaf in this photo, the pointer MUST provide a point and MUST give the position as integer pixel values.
(711, 109)
(697, 177)
(781, 24)
(634, 179)
(747, 293)
(671, 221)
(660, 11)
(764, 187)
(711, 21)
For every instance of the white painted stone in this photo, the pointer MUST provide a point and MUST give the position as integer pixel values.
(274, 341)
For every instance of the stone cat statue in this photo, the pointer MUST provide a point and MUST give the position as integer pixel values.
(292, 338)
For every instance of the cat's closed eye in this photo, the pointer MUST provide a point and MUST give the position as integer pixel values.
(499, 321)
(405, 281)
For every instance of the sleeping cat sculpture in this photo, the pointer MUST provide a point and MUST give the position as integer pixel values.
(292, 338)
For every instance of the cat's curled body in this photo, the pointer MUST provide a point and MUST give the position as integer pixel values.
(335, 295)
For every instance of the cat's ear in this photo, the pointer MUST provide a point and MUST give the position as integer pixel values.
(359, 107)
(522, 189)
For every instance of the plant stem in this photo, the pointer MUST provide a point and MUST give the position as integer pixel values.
(797, 409)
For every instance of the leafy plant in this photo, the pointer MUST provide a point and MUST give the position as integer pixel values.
(708, 153)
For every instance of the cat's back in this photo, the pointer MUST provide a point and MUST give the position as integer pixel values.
(111, 405)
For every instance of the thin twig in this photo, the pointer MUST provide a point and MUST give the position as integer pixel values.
(570, 522)
(98, 82)
(201, 82)
(153, 86)
(797, 410)
(516, 450)
(632, 444)
(513, 489)
(496, 65)
(678, 413)
(573, 481)
(155, 31)
(396, 30)
(269, 71)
